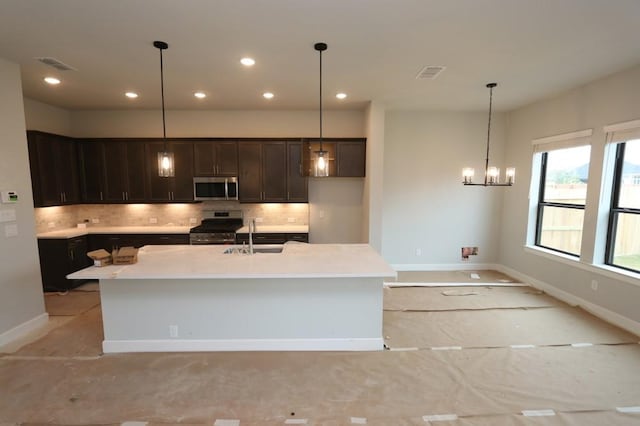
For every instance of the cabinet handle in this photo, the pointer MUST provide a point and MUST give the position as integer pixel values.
(123, 197)
(101, 196)
(126, 193)
(71, 254)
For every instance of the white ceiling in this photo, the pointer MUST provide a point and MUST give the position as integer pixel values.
(532, 48)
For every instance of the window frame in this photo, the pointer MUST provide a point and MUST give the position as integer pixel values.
(542, 204)
(615, 210)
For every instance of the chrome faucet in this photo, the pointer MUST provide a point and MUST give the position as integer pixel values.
(252, 229)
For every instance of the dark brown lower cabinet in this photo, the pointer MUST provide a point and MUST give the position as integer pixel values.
(60, 257)
(272, 238)
(111, 241)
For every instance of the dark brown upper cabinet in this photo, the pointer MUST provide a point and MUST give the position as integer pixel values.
(350, 159)
(54, 169)
(113, 171)
(170, 189)
(297, 182)
(215, 158)
(347, 157)
(262, 171)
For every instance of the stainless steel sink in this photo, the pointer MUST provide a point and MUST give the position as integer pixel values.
(256, 249)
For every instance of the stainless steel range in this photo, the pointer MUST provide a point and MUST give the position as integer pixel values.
(217, 227)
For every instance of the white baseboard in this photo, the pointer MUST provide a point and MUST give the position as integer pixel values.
(23, 329)
(444, 266)
(177, 345)
(597, 310)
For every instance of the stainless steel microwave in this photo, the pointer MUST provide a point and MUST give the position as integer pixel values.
(215, 188)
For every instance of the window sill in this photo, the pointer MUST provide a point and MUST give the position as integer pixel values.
(604, 270)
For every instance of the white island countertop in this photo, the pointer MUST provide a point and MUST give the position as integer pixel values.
(297, 260)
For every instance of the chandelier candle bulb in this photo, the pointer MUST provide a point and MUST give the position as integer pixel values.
(493, 175)
(510, 175)
(467, 175)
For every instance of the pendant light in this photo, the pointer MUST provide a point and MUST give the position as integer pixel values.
(321, 158)
(165, 158)
(491, 174)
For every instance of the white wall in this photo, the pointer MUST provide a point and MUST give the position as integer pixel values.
(131, 123)
(373, 183)
(46, 118)
(20, 284)
(426, 206)
(606, 101)
(335, 210)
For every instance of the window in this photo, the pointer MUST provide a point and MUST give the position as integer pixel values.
(562, 196)
(623, 237)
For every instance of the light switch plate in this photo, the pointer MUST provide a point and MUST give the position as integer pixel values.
(7, 215)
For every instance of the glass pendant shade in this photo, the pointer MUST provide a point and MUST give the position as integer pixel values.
(321, 164)
(510, 175)
(493, 175)
(166, 164)
(467, 175)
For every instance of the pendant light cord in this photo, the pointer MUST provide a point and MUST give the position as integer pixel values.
(320, 100)
(164, 130)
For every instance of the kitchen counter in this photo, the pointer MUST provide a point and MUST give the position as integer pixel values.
(297, 260)
(77, 232)
(196, 298)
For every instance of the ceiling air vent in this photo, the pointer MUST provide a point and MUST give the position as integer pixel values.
(53, 62)
(430, 72)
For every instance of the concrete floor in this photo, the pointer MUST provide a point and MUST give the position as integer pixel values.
(476, 355)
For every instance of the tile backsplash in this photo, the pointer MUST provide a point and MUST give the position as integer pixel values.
(61, 217)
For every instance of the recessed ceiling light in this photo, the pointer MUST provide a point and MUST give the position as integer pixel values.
(247, 62)
(52, 80)
(268, 95)
(131, 95)
(341, 95)
(200, 95)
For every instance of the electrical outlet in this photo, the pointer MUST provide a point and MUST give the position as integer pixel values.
(95, 220)
(173, 331)
(51, 224)
(594, 285)
(259, 220)
(418, 252)
(291, 219)
(193, 220)
(153, 220)
(321, 214)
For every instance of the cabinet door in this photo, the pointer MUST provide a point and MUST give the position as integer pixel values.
(215, 158)
(274, 171)
(297, 184)
(204, 159)
(181, 185)
(115, 155)
(92, 171)
(249, 172)
(67, 170)
(351, 159)
(60, 257)
(136, 172)
(43, 154)
(226, 158)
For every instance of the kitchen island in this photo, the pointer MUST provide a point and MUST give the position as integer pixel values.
(197, 298)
